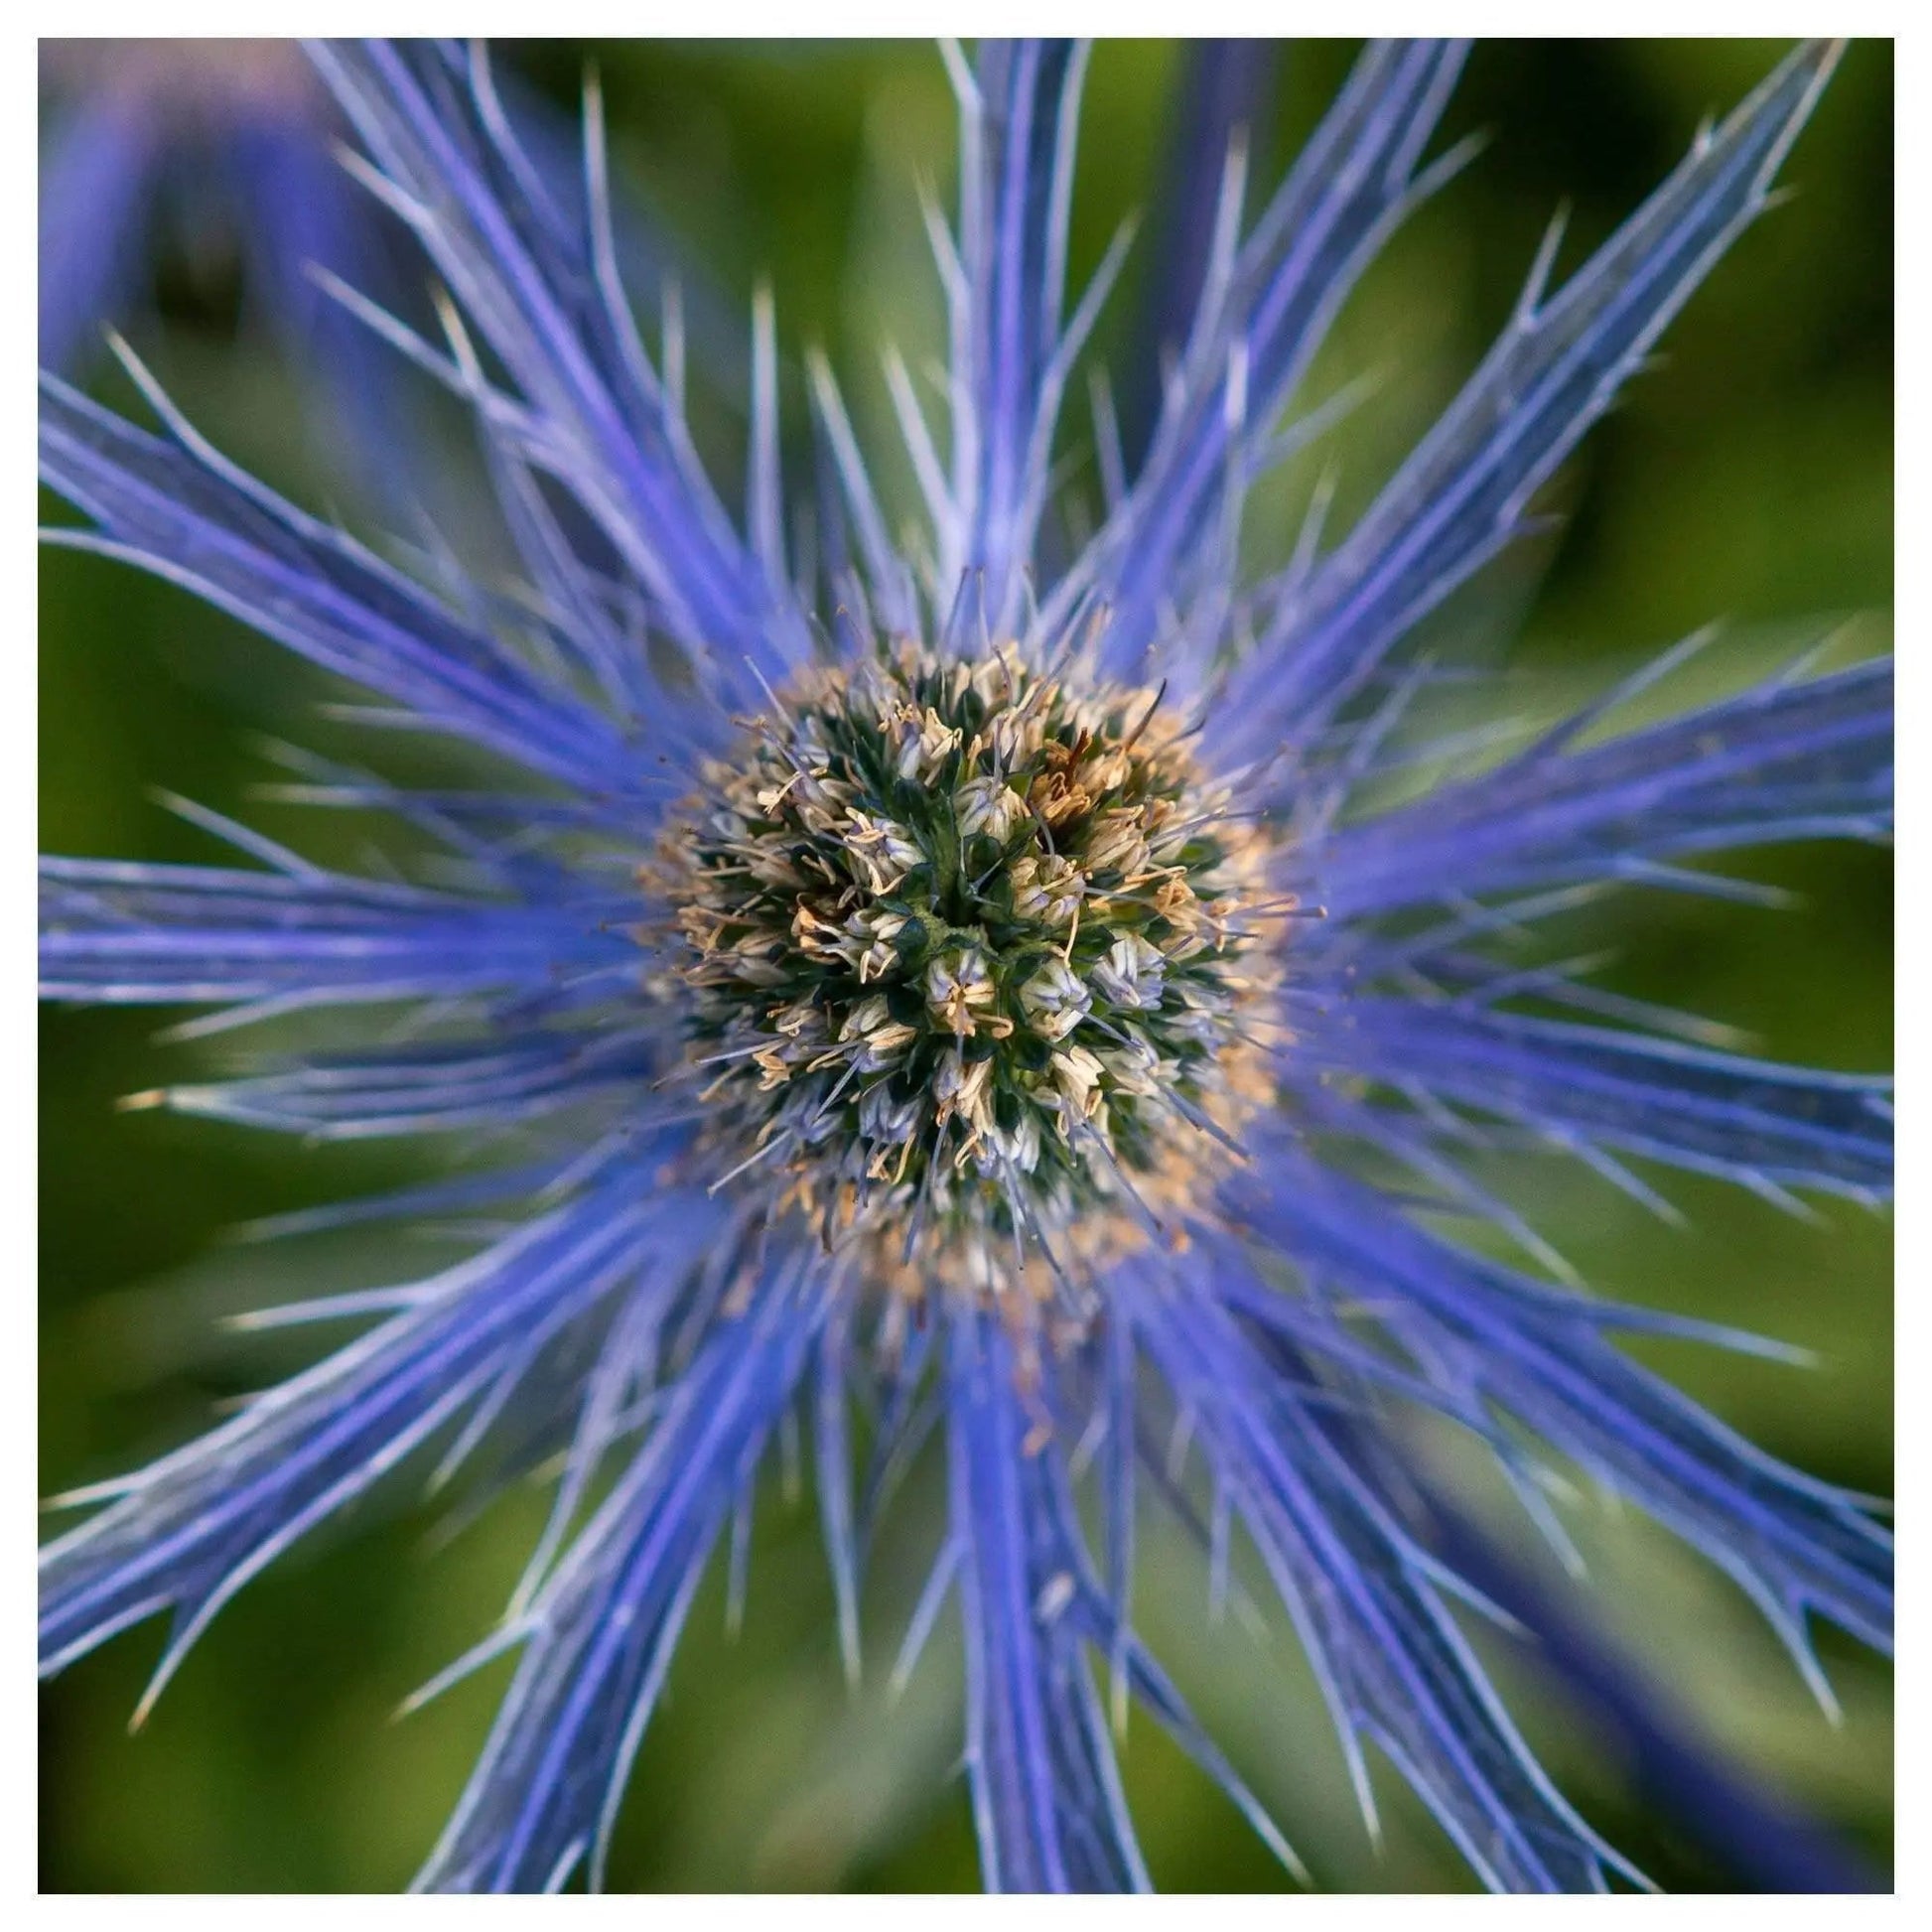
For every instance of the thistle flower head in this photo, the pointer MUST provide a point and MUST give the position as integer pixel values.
(972, 966)
(891, 953)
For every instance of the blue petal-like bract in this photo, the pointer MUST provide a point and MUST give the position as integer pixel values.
(600, 1634)
(1542, 1354)
(151, 934)
(1013, 219)
(189, 1530)
(1224, 102)
(1392, 1661)
(1681, 1104)
(660, 1292)
(96, 182)
(1046, 1793)
(179, 510)
(1789, 761)
(1261, 318)
(541, 292)
(1463, 494)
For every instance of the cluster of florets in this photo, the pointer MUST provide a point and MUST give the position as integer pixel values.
(971, 957)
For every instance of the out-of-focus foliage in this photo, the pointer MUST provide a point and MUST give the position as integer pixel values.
(1749, 478)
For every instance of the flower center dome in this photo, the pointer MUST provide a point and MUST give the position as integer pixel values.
(974, 959)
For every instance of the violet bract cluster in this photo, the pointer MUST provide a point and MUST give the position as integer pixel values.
(974, 988)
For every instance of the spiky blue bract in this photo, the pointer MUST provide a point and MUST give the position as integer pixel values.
(647, 1321)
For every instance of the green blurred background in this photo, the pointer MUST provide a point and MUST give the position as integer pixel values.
(1749, 477)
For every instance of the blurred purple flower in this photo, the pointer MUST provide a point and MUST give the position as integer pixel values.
(218, 150)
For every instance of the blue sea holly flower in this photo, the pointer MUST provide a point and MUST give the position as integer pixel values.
(220, 150)
(983, 979)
